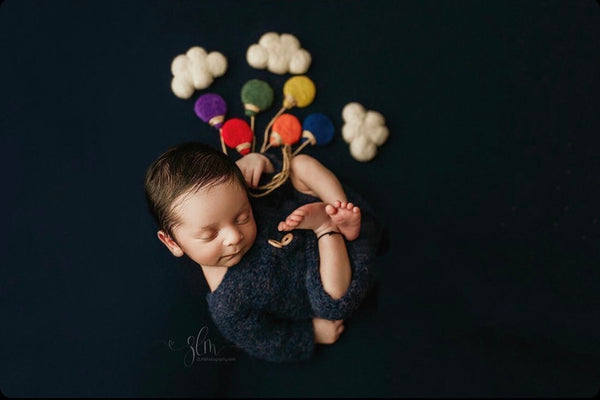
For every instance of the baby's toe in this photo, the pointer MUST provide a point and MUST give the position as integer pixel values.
(295, 218)
(331, 210)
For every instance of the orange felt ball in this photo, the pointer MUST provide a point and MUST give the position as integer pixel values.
(237, 134)
(286, 130)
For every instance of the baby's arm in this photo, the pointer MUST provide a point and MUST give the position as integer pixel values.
(252, 166)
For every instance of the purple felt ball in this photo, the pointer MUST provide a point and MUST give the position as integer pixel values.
(211, 108)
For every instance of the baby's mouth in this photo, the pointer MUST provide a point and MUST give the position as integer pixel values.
(232, 255)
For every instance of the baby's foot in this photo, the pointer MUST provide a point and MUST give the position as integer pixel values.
(347, 218)
(309, 216)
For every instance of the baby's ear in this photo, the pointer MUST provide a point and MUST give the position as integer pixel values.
(170, 243)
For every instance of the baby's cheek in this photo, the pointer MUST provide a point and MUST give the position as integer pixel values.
(252, 232)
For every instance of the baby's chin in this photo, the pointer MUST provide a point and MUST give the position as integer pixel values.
(234, 260)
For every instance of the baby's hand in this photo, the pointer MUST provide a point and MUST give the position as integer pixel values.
(252, 166)
(327, 331)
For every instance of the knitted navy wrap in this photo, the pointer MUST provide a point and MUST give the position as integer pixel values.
(266, 302)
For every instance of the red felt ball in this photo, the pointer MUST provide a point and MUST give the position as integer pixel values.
(286, 130)
(237, 134)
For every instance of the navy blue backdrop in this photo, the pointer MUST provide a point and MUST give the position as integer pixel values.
(489, 184)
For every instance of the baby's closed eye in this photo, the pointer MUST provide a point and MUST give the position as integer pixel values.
(242, 219)
(207, 235)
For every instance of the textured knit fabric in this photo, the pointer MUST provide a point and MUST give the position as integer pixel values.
(265, 303)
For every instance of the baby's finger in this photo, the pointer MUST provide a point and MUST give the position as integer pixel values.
(256, 173)
(247, 176)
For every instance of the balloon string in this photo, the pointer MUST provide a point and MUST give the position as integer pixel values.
(253, 135)
(299, 149)
(265, 140)
(279, 178)
(222, 142)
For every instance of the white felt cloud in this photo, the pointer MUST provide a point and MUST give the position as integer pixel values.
(363, 130)
(279, 54)
(196, 70)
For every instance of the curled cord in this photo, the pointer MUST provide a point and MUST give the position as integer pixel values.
(280, 178)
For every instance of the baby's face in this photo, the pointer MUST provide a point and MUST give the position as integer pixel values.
(217, 225)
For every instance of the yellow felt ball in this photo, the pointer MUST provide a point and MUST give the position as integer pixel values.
(299, 91)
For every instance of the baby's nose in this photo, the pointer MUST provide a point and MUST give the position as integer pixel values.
(233, 236)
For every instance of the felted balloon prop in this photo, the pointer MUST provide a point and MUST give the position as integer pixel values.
(364, 130)
(236, 133)
(280, 54)
(257, 96)
(298, 91)
(211, 108)
(287, 130)
(317, 129)
(196, 69)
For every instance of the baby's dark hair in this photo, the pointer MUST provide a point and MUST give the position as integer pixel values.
(187, 167)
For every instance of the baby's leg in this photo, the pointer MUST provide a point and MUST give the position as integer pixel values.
(346, 216)
(321, 217)
(334, 263)
(311, 177)
(311, 216)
